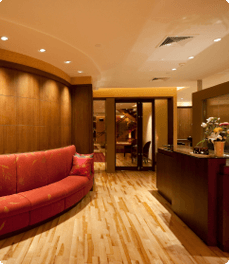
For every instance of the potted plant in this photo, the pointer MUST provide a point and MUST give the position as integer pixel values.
(217, 133)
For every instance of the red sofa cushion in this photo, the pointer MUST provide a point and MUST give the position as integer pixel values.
(45, 195)
(13, 204)
(81, 166)
(31, 171)
(7, 174)
(87, 156)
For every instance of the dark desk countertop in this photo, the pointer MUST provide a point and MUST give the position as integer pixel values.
(189, 151)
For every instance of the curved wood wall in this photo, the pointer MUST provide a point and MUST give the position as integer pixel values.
(35, 112)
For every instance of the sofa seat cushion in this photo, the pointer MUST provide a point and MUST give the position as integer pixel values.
(45, 195)
(73, 184)
(31, 171)
(7, 174)
(14, 204)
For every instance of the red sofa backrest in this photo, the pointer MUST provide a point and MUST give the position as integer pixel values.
(7, 174)
(36, 169)
(31, 170)
(59, 163)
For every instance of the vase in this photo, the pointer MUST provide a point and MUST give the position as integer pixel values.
(219, 148)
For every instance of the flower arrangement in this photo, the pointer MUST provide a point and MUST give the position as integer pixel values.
(214, 130)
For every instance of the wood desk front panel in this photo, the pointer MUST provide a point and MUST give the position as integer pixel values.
(190, 183)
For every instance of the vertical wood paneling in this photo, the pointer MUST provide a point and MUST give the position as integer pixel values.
(10, 143)
(82, 118)
(27, 111)
(35, 112)
(8, 110)
(1, 139)
(27, 85)
(7, 82)
(184, 122)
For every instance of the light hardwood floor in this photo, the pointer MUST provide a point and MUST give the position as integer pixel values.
(124, 220)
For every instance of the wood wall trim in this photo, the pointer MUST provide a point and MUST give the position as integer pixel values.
(28, 69)
(197, 102)
(14, 57)
(136, 92)
(81, 80)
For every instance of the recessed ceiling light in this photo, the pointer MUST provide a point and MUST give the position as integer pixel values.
(191, 57)
(174, 69)
(67, 62)
(168, 44)
(182, 98)
(42, 50)
(217, 40)
(80, 71)
(4, 38)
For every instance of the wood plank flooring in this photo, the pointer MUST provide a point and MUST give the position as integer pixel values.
(123, 221)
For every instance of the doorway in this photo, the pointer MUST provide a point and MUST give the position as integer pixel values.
(142, 125)
(134, 137)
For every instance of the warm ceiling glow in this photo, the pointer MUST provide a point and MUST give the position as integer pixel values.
(180, 87)
(3, 38)
(191, 57)
(174, 69)
(80, 71)
(42, 50)
(67, 62)
(217, 40)
(182, 98)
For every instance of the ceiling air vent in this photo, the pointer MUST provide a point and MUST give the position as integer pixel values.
(171, 40)
(160, 79)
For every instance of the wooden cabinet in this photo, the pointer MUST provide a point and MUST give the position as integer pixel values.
(184, 122)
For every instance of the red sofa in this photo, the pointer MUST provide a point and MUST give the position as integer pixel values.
(36, 186)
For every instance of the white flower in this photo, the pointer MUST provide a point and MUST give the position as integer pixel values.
(220, 137)
(210, 119)
(204, 125)
(213, 136)
(218, 118)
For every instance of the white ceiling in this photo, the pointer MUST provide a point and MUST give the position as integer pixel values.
(117, 42)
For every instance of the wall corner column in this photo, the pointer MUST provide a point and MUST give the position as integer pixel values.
(82, 118)
(110, 135)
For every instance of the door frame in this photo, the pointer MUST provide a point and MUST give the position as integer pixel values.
(139, 102)
(170, 111)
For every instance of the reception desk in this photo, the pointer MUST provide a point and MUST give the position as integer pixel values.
(190, 182)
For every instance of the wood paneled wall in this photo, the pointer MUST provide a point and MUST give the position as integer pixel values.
(82, 118)
(184, 122)
(35, 112)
